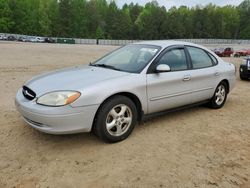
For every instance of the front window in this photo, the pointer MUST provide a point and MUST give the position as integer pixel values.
(175, 59)
(131, 58)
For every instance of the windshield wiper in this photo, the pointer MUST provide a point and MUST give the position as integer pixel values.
(105, 66)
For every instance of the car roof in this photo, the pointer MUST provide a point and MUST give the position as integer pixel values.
(167, 43)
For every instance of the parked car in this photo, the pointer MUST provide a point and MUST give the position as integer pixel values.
(218, 50)
(3, 37)
(227, 52)
(49, 40)
(248, 52)
(245, 70)
(31, 39)
(11, 38)
(22, 39)
(243, 52)
(35, 39)
(110, 95)
(40, 39)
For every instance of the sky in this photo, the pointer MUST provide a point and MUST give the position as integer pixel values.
(190, 3)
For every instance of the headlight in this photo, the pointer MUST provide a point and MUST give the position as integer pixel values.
(58, 98)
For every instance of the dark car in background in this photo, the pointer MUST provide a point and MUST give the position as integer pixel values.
(49, 40)
(11, 38)
(245, 70)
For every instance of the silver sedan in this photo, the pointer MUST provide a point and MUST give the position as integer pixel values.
(112, 94)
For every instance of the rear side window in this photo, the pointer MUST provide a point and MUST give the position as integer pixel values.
(213, 58)
(200, 59)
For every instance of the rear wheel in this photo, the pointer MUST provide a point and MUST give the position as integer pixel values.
(115, 119)
(220, 96)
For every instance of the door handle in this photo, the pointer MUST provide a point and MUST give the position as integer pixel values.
(216, 74)
(187, 78)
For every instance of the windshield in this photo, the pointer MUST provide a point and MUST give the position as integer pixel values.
(131, 58)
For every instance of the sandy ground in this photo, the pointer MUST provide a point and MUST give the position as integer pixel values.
(197, 147)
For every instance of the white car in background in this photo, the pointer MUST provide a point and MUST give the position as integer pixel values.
(2, 37)
(35, 39)
(40, 39)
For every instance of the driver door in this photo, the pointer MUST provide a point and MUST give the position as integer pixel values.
(171, 89)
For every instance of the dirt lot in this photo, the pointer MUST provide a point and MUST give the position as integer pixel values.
(197, 147)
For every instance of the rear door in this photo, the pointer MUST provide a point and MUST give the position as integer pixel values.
(205, 74)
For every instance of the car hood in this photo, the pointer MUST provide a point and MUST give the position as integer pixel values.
(75, 78)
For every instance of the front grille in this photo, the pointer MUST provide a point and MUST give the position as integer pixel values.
(28, 93)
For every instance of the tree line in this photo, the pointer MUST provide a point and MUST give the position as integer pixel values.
(104, 19)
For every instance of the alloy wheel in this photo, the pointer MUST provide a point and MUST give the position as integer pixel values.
(119, 120)
(220, 95)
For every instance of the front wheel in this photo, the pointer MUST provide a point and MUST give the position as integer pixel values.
(220, 96)
(243, 78)
(115, 119)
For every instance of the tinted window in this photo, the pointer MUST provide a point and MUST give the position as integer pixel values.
(175, 59)
(200, 58)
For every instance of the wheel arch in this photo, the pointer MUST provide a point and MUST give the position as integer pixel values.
(129, 95)
(227, 84)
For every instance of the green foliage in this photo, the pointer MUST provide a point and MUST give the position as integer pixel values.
(44, 19)
(244, 29)
(78, 21)
(118, 22)
(99, 33)
(151, 20)
(5, 16)
(103, 19)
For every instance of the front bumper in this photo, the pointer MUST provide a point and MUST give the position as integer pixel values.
(56, 120)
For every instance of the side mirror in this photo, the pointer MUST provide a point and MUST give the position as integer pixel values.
(162, 68)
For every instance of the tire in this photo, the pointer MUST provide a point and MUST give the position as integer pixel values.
(243, 78)
(116, 119)
(220, 96)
